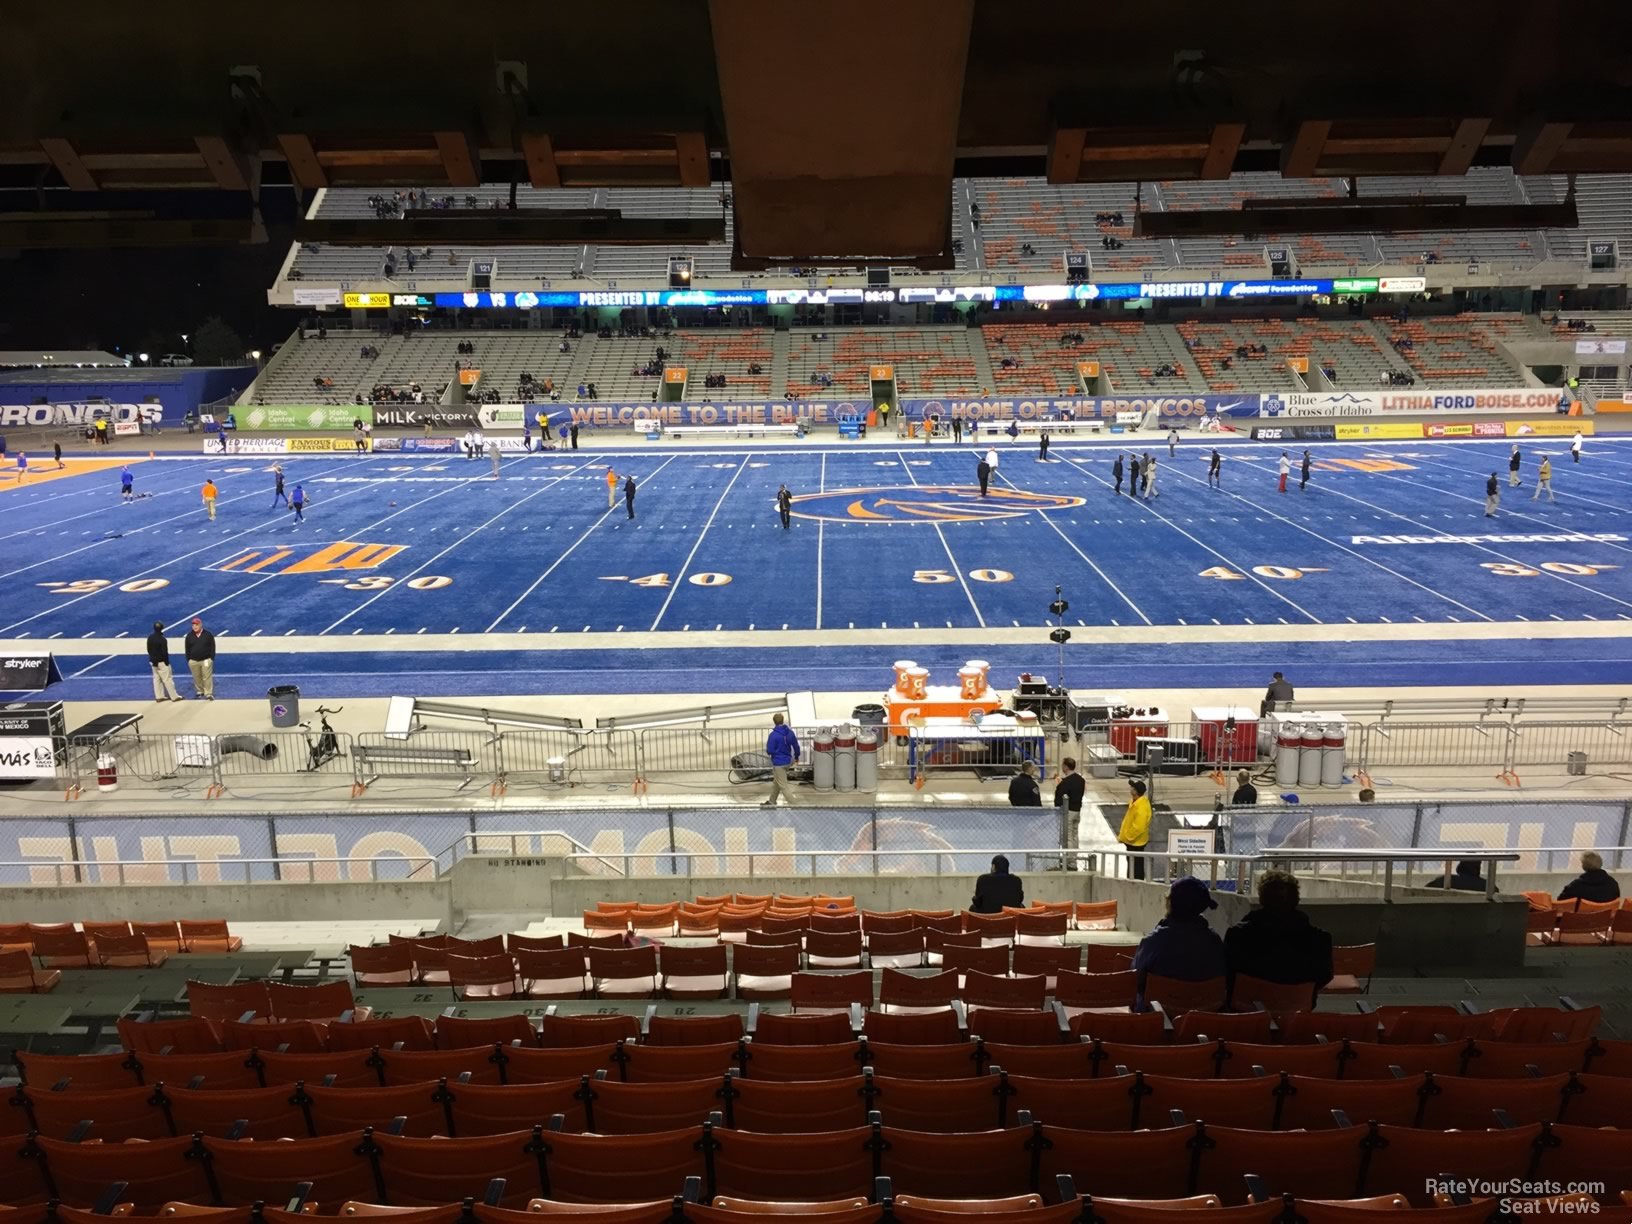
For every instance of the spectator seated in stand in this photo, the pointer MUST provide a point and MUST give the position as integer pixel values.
(1182, 945)
(997, 888)
(1276, 941)
(1593, 884)
(1466, 878)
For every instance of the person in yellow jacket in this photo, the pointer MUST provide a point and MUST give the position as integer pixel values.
(611, 487)
(1135, 830)
(1544, 481)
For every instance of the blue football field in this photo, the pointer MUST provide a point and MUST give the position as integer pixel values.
(882, 539)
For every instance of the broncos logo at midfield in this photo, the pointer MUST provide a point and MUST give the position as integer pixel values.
(926, 504)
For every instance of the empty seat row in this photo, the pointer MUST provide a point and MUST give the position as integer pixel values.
(169, 936)
(1124, 1100)
(949, 1059)
(1156, 1163)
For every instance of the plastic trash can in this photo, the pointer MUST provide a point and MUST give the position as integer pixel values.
(285, 702)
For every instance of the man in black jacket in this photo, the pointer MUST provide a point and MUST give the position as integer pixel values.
(200, 646)
(1068, 792)
(1023, 789)
(1593, 884)
(1466, 878)
(996, 889)
(158, 657)
(1276, 942)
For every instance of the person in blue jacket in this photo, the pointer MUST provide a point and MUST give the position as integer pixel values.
(782, 746)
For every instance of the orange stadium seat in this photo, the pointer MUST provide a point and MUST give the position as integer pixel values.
(462, 1032)
(555, 1031)
(668, 1064)
(693, 1030)
(410, 1032)
(949, 1060)
(207, 935)
(766, 1060)
(937, 1027)
(19, 976)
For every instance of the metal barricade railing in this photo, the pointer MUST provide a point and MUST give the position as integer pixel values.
(561, 758)
(1537, 744)
(1429, 745)
(269, 760)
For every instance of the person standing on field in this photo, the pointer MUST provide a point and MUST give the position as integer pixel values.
(1042, 447)
(1303, 473)
(1215, 470)
(629, 495)
(277, 487)
(493, 456)
(784, 506)
(127, 484)
(158, 657)
(1286, 470)
(1116, 471)
(1493, 496)
(209, 492)
(1150, 477)
(1575, 447)
(782, 746)
(1513, 467)
(200, 648)
(297, 503)
(1172, 443)
(611, 487)
(1133, 475)
(1544, 481)
(983, 471)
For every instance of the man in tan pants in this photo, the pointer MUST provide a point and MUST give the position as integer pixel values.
(611, 488)
(200, 644)
(158, 655)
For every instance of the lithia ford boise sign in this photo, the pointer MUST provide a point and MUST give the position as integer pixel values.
(1385, 403)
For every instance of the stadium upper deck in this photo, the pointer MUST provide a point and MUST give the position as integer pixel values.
(1016, 227)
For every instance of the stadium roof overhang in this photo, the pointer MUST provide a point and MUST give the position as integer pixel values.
(839, 124)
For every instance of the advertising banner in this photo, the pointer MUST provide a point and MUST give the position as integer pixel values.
(27, 756)
(1463, 429)
(363, 301)
(1490, 429)
(296, 446)
(1392, 402)
(20, 416)
(1379, 430)
(244, 446)
(403, 416)
(316, 297)
(264, 417)
(126, 429)
(25, 673)
(1298, 433)
(1610, 347)
(422, 446)
(1568, 427)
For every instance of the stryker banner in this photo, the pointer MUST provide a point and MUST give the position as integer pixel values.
(17, 416)
(1401, 401)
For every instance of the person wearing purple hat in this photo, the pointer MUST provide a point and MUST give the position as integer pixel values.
(1182, 946)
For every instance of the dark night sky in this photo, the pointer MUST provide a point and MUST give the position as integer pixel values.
(122, 298)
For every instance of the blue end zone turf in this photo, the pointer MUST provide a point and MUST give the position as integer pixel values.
(883, 539)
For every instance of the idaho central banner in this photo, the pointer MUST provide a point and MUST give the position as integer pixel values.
(284, 417)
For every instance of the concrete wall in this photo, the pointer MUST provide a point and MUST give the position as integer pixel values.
(269, 902)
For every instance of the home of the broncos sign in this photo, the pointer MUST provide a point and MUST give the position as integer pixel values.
(926, 504)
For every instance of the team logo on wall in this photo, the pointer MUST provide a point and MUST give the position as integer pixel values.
(926, 504)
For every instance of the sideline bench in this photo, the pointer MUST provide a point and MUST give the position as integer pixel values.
(403, 715)
(406, 761)
(100, 730)
(743, 430)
